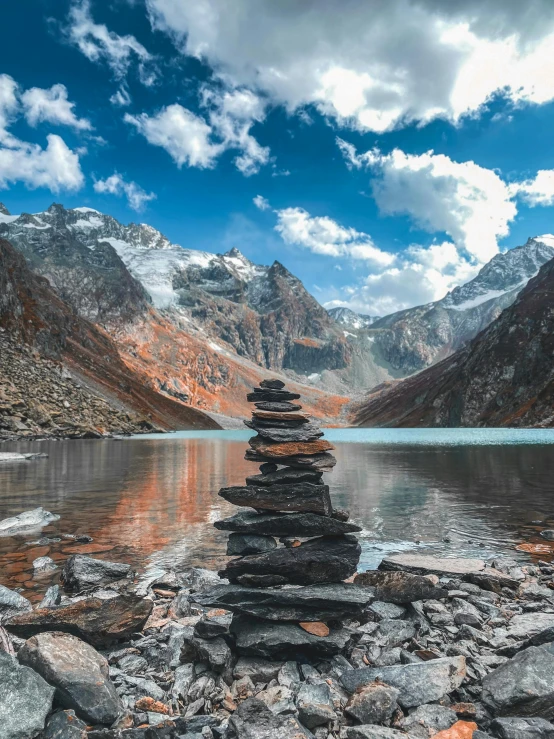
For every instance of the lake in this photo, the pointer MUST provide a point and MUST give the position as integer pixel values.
(151, 500)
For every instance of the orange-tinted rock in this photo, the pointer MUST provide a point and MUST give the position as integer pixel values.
(464, 710)
(289, 449)
(459, 730)
(535, 548)
(151, 705)
(317, 628)
(267, 416)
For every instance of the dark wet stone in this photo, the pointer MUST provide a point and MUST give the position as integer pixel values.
(547, 534)
(95, 620)
(261, 581)
(83, 573)
(267, 467)
(523, 686)
(277, 407)
(211, 626)
(271, 396)
(315, 705)
(418, 683)
(78, 672)
(373, 704)
(272, 384)
(326, 559)
(300, 497)
(306, 432)
(254, 720)
(65, 725)
(372, 731)
(311, 603)
(522, 728)
(29, 700)
(286, 524)
(285, 475)
(257, 638)
(323, 461)
(400, 587)
(241, 544)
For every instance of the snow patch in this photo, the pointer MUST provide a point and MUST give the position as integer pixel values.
(484, 298)
(82, 209)
(547, 239)
(7, 219)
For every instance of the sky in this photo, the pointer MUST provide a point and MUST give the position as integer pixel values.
(382, 151)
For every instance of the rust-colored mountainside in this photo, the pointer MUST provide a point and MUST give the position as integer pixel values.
(61, 373)
(504, 377)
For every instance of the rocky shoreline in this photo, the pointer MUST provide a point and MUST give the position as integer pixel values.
(450, 647)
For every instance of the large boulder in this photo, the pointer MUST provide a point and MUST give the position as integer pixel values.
(310, 603)
(287, 641)
(85, 573)
(11, 603)
(26, 699)
(418, 683)
(327, 559)
(254, 720)
(285, 524)
(78, 673)
(95, 620)
(400, 587)
(523, 686)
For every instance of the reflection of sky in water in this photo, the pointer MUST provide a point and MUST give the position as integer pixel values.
(152, 501)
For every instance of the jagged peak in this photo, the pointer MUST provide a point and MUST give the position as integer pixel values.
(55, 208)
(3, 210)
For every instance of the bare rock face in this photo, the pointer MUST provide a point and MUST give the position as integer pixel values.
(97, 621)
(78, 673)
(25, 702)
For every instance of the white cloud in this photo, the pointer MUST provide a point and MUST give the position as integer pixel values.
(184, 135)
(56, 167)
(374, 66)
(116, 185)
(52, 106)
(471, 204)
(537, 191)
(121, 97)
(98, 43)
(190, 139)
(261, 202)
(323, 235)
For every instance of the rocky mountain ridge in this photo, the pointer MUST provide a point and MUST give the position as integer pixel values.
(503, 377)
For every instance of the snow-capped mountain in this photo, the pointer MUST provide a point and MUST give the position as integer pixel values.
(351, 319)
(417, 337)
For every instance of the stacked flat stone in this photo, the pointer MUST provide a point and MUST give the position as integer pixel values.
(293, 548)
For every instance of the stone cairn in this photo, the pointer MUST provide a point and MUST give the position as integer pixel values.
(288, 601)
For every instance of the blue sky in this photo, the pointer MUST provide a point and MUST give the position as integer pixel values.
(382, 152)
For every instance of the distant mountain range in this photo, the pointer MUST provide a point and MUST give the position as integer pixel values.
(199, 326)
(503, 377)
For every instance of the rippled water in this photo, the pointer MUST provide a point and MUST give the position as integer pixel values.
(151, 500)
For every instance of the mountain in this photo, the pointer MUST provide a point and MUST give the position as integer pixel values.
(418, 337)
(350, 319)
(503, 377)
(62, 375)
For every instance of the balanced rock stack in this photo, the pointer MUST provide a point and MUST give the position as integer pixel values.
(294, 550)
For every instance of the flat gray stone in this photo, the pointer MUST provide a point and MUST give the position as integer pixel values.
(77, 671)
(315, 705)
(26, 700)
(418, 683)
(287, 641)
(299, 432)
(400, 587)
(429, 719)
(241, 544)
(65, 725)
(81, 572)
(428, 565)
(309, 603)
(303, 497)
(285, 524)
(257, 669)
(522, 728)
(287, 474)
(526, 625)
(523, 686)
(371, 731)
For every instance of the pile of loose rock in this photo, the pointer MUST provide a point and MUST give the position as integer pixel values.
(420, 648)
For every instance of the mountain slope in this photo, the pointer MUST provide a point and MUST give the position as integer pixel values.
(47, 350)
(504, 377)
(415, 338)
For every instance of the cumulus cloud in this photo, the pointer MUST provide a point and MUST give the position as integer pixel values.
(374, 66)
(471, 204)
(261, 202)
(537, 191)
(323, 235)
(51, 105)
(56, 167)
(98, 44)
(116, 185)
(198, 142)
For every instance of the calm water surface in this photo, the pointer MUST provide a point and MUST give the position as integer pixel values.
(151, 501)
